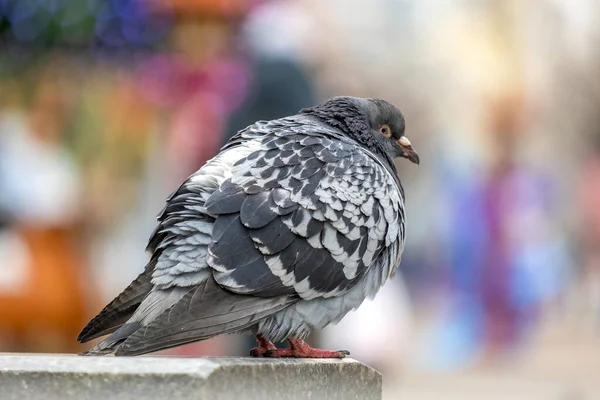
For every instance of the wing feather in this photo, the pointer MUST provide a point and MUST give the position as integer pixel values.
(310, 194)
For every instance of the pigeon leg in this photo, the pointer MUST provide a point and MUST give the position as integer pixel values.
(264, 345)
(300, 349)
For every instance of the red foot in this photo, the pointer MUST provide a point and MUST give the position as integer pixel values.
(264, 345)
(300, 349)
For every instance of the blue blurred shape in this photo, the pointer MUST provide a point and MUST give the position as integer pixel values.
(28, 20)
(140, 26)
(3, 8)
(130, 22)
(125, 8)
(108, 26)
(19, 11)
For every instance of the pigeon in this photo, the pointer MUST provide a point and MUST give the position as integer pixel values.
(293, 224)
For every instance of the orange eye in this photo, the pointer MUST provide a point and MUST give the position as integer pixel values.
(385, 130)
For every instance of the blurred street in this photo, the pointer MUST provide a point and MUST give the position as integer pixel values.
(106, 106)
(562, 363)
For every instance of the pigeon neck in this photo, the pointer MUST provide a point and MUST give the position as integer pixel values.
(348, 119)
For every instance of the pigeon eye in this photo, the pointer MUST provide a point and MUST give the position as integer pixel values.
(385, 130)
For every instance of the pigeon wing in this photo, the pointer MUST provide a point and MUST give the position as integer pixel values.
(306, 213)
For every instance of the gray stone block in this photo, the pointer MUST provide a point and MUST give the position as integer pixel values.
(49, 377)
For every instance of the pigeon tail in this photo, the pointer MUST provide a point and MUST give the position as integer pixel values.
(118, 311)
(216, 311)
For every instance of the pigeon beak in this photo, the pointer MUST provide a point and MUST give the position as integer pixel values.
(408, 151)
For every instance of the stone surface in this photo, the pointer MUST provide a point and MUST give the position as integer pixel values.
(49, 377)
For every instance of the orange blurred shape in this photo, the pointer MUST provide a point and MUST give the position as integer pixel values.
(47, 312)
(214, 8)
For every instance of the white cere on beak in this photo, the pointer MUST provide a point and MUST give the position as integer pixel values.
(404, 142)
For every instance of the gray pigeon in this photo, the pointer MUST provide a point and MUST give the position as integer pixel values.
(291, 226)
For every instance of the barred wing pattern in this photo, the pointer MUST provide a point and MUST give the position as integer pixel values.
(305, 213)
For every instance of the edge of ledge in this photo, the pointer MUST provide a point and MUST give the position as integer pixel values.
(72, 363)
(65, 376)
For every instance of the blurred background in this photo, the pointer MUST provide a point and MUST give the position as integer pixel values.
(107, 105)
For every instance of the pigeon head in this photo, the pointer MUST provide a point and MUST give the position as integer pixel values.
(376, 124)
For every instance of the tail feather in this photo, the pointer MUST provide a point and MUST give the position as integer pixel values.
(118, 311)
(202, 313)
(153, 305)
(108, 345)
(93, 352)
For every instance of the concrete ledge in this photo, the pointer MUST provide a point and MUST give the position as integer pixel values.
(49, 377)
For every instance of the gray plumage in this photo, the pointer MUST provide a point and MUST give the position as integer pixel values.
(292, 225)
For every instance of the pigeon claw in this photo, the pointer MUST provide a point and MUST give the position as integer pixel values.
(298, 349)
(264, 346)
(258, 352)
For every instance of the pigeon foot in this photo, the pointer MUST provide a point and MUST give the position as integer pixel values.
(264, 345)
(298, 349)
